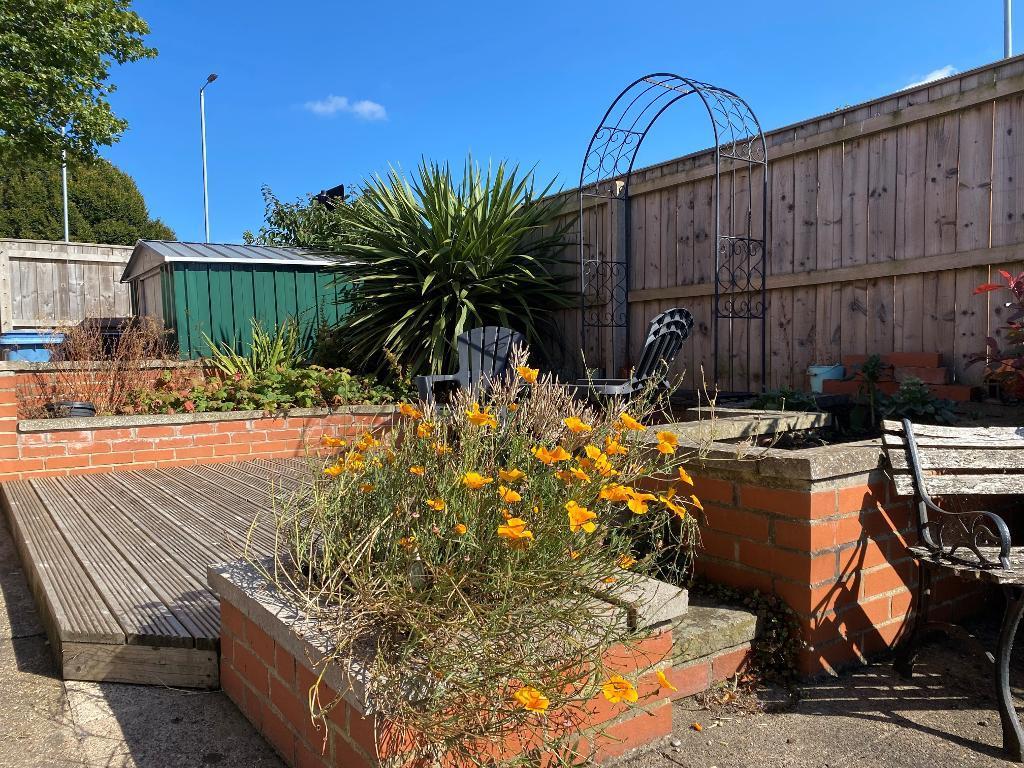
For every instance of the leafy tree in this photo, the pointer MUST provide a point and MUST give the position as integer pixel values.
(55, 57)
(104, 204)
(304, 223)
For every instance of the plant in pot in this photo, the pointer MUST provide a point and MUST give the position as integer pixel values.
(93, 371)
(1004, 358)
(459, 556)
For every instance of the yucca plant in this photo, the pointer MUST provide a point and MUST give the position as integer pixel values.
(430, 259)
(269, 351)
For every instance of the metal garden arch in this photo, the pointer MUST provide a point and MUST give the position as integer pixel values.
(739, 150)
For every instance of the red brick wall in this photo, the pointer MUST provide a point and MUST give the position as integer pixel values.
(835, 551)
(63, 451)
(271, 687)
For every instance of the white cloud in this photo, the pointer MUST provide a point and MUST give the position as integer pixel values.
(332, 105)
(935, 74)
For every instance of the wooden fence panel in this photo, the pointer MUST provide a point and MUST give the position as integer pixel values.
(882, 220)
(47, 284)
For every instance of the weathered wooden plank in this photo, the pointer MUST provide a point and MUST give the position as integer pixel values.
(963, 485)
(140, 664)
(962, 435)
(908, 310)
(959, 458)
(70, 605)
(145, 618)
(805, 243)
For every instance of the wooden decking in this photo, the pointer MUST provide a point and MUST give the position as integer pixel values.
(117, 563)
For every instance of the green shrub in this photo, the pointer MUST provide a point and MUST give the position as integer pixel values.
(429, 260)
(914, 401)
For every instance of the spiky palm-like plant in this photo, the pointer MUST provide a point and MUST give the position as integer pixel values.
(432, 258)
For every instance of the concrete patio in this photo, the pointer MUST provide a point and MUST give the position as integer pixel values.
(861, 719)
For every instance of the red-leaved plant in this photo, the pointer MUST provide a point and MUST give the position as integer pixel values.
(1004, 363)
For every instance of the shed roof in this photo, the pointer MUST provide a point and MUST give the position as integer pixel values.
(149, 253)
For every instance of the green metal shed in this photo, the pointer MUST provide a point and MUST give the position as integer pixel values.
(216, 289)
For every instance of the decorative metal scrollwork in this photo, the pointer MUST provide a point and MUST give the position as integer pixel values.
(949, 532)
(606, 173)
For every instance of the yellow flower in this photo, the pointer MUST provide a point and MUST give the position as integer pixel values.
(366, 487)
(407, 542)
(580, 518)
(619, 689)
(604, 467)
(576, 425)
(564, 475)
(531, 699)
(638, 501)
(424, 429)
(549, 457)
(475, 481)
(696, 502)
(574, 554)
(482, 418)
(460, 529)
(609, 579)
(628, 422)
(410, 410)
(417, 470)
(508, 495)
(669, 502)
(441, 449)
(663, 681)
(515, 530)
(592, 451)
(332, 442)
(436, 504)
(667, 442)
(334, 470)
(684, 476)
(615, 492)
(627, 561)
(367, 442)
(511, 475)
(513, 407)
(529, 375)
(613, 447)
(579, 474)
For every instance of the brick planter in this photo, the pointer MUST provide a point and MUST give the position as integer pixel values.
(823, 529)
(269, 653)
(48, 447)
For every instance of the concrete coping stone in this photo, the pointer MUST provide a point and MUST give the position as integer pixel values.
(86, 423)
(654, 604)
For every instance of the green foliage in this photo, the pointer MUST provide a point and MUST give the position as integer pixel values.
(914, 401)
(434, 258)
(104, 204)
(268, 353)
(55, 57)
(787, 399)
(269, 390)
(1004, 361)
(304, 223)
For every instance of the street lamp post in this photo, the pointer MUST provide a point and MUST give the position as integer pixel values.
(202, 124)
(1007, 28)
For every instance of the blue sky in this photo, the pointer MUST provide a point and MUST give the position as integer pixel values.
(315, 94)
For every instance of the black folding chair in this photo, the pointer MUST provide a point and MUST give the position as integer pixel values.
(484, 355)
(665, 337)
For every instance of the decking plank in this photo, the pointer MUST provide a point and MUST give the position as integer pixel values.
(188, 598)
(145, 618)
(117, 562)
(70, 605)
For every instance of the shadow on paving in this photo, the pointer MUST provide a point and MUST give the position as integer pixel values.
(945, 717)
(47, 722)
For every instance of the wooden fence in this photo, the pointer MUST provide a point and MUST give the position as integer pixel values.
(882, 219)
(45, 284)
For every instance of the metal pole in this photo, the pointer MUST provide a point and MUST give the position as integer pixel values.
(64, 185)
(202, 125)
(1007, 28)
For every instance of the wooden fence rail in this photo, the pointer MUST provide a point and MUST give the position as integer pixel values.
(882, 220)
(45, 284)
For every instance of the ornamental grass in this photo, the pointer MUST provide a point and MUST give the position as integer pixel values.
(457, 557)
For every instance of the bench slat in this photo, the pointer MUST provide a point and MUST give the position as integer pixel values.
(961, 484)
(993, 459)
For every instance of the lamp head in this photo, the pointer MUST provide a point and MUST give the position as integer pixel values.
(212, 77)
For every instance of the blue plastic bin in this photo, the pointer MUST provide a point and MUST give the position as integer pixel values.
(29, 346)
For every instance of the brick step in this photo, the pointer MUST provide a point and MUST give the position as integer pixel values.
(899, 359)
(957, 392)
(927, 375)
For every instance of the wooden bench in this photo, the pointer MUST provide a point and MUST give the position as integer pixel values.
(942, 467)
